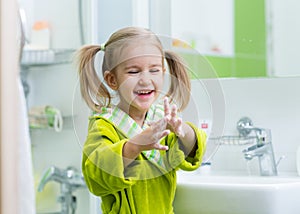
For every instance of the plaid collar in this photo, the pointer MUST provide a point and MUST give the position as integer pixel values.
(129, 127)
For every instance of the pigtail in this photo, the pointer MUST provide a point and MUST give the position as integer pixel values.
(92, 88)
(179, 91)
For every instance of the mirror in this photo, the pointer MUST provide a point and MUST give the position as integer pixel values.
(232, 36)
(239, 38)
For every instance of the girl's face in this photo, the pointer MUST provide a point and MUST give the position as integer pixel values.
(139, 78)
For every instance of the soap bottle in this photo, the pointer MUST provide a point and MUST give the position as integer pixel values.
(40, 35)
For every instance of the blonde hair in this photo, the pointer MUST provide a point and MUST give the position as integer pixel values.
(95, 92)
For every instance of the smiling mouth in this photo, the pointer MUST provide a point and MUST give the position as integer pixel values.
(144, 92)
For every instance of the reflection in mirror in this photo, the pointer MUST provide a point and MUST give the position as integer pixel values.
(240, 38)
(231, 38)
(206, 32)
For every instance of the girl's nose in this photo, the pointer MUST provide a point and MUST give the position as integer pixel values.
(144, 79)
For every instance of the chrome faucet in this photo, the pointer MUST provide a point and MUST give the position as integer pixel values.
(69, 179)
(263, 148)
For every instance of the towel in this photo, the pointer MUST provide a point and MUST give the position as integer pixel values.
(25, 169)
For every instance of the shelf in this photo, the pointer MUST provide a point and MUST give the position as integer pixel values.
(43, 122)
(32, 57)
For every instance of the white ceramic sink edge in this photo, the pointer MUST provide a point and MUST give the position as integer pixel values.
(219, 194)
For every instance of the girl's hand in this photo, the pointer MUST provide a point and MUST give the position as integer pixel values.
(182, 130)
(174, 122)
(149, 138)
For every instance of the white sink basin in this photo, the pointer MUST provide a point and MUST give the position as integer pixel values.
(237, 194)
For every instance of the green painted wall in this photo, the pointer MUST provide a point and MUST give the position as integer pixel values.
(249, 59)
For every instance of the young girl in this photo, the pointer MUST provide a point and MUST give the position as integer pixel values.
(133, 149)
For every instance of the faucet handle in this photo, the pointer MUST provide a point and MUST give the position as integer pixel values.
(47, 176)
(280, 159)
(69, 176)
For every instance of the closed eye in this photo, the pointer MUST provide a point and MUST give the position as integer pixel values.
(133, 72)
(154, 70)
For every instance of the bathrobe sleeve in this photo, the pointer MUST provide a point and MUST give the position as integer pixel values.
(176, 157)
(102, 162)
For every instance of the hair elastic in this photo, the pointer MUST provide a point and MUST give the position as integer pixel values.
(102, 47)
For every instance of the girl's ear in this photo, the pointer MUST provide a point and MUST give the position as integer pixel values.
(111, 80)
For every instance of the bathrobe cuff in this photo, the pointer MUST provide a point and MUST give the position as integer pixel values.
(176, 156)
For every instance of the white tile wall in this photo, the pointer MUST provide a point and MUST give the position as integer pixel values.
(272, 103)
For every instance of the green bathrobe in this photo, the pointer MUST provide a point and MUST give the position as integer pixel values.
(148, 184)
